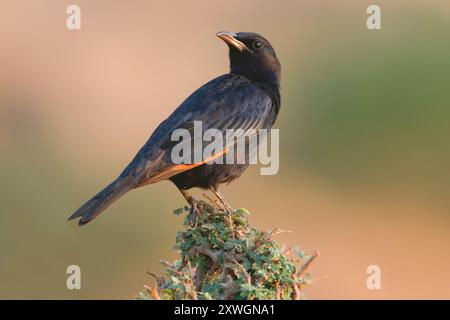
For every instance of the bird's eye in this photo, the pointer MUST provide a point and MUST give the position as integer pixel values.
(256, 44)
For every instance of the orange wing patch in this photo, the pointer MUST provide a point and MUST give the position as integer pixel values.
(178, 168)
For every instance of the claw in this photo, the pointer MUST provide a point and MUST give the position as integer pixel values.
(194, 213)
(229, 218)
(229, 210)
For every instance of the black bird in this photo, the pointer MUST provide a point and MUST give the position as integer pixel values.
(248, 97)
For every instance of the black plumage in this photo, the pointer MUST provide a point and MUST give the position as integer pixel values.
(246, 98)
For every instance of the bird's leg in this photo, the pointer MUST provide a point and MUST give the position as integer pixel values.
(225, 204)
(211, 200)
(222, 200)
(194, 211)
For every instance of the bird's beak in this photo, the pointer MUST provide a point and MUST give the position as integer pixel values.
(230, 39)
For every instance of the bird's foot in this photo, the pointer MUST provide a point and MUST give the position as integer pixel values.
(194, 214)
(212, 201)
(228, 209)
(229, 216)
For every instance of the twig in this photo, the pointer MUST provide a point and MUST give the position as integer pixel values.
(167, 264)
(278, 231)
(297, 294)
(306, 265)
(153, 292)
(277, 291)
(206, 251)
(159, 280)
(230, 289)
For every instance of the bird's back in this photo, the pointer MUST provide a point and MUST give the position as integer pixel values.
(226, 102)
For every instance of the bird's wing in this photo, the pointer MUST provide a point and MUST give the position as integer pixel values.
(227, 102)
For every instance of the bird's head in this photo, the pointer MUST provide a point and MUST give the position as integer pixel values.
(251, 55)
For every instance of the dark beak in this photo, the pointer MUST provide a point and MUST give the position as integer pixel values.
(231, 39)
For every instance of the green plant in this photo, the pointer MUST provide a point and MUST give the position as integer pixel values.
(223, 257)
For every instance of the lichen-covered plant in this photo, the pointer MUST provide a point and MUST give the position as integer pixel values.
(223, 257)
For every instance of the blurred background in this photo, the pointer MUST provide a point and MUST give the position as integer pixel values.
(364, 173)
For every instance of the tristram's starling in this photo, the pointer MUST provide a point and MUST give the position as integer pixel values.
(246, 98)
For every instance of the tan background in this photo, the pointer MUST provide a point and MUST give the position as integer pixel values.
(364, 174)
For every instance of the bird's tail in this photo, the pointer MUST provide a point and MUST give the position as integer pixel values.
(102, 200)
